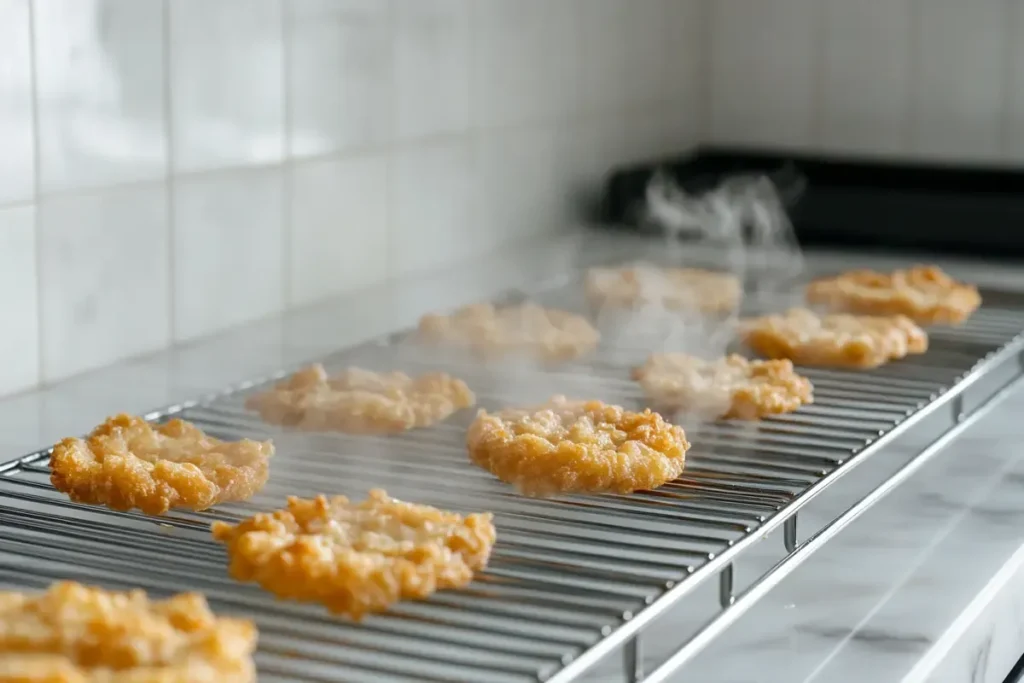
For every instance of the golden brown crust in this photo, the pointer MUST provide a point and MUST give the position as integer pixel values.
(360, 401)
(838, 340)
(577, 446)
(924, 294)
(728, 388)
(357, 558)
(78, 634)
(128, 463)
(542, 333)
(691, 289)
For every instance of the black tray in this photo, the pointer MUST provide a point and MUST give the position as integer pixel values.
(863, 203)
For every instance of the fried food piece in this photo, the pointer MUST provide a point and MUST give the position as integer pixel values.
(128, 463)
(568, 446)
(357, 558)
(360, 401)
(924, 294)
(690, 289)
(79, 634)
(838, 340)
(729, 388)
(488, 332)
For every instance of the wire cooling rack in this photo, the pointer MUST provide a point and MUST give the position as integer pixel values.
(572, 579)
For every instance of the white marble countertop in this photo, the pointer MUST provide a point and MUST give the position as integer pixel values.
(928, 585)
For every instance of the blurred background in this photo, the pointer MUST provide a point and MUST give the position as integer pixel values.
(170, 169)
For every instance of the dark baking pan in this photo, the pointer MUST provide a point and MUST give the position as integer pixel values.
(855, 202)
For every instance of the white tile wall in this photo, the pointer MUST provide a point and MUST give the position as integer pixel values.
(17, 162)
(19, 342)
(339, 219)
(435, 222)
(171, 168)
(430, 67)
(763, 67)
(100, 93)
(932, 79)
(228, 245)
(226, 83)
(103, 269)
(174, 167)
(346, 43)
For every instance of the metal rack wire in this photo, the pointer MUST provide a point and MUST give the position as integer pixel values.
(572, 579)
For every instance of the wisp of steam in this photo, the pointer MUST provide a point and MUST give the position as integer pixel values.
(743, 222)
(741, 227)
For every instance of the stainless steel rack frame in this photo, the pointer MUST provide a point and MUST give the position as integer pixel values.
(572, 579)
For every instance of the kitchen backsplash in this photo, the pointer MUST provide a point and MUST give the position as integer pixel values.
(170, 168)
(934, 79)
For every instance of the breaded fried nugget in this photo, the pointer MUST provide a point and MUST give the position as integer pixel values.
(357, 558)
(691, 289)
(128, 463)
(839, 340)
(78, 634)
(924, 294)
(543, 333)
(577, 447)
(729, 388)
(360, 401)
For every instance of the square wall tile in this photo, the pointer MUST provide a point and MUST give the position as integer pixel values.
(763, 71)
(865, 105)
(433, 200)
(686, 34)
(21, 426)
(959, 78)
(17, 162)
(339, 75)
(589, 150)
(19, 343)
(100, 80)
(1014, 147)
(647, 54)
(339, 226)
(227, 80)
(431, 67)
(603, 83)
(522, 185)
(683, 125)
(646, 136)
(525, 61)
(104, 268)
(228, 250)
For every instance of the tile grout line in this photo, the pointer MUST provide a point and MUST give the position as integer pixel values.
(287, 163)
(604, 116)
(820, 24)
(910, 106)
(36, 193)
(1010, 52)
(391, 149)
(171, 185)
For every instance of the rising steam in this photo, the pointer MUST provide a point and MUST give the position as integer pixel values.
(740, 227)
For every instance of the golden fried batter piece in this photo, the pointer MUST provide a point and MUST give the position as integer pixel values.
(730, 388)
(838, 340)
(489, 332)
(924, 294)
(128, 463)
(689, 289)
(357, 558)
(568, 446)
(360, 401)
(79, 634)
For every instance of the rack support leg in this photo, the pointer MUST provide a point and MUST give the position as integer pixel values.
(633, 660)
(789, 534)
(725, 587)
